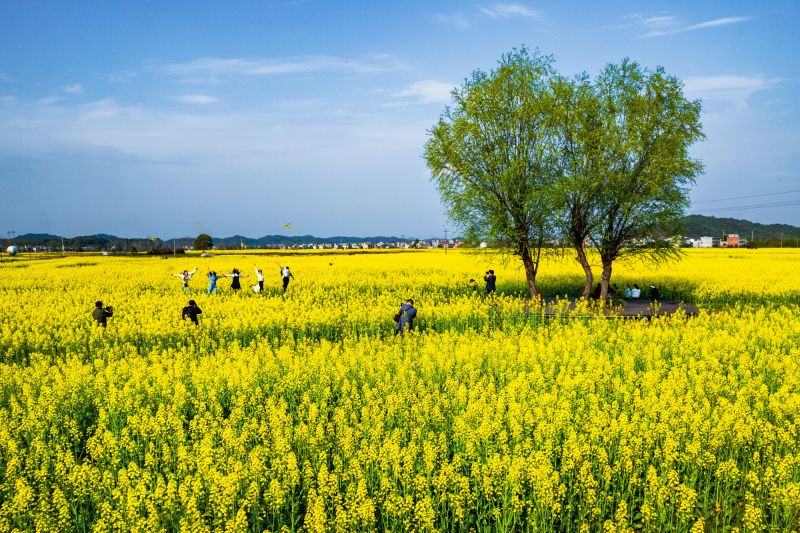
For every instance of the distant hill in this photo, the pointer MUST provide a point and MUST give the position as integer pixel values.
(104, 241)
(276, 240)
(700, 226)
(36, 238)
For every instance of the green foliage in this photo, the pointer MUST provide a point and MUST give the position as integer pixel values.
(648, 127)
(203, 242)
(493, 155)
(527, 157)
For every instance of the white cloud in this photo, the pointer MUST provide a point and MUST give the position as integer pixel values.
(199, 99)
(262, 153)
(123, 76)
(716, 22)
(73, 88)
(660, 25)
(427, 91)
(510, 10)
(459, 20)
(211, 68)
(732, 89)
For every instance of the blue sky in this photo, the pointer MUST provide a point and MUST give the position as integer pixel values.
(153, 118)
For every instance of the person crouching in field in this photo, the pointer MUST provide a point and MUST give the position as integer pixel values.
(191, 311)
(101, 314)
(405, 317)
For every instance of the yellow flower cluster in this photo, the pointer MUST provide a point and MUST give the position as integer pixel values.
(303, 411)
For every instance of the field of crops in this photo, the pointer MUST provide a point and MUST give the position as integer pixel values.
(304, 412)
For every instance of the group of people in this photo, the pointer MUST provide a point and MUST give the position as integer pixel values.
(404, 318)
(630, 293)
(489, 279)
(236, 285)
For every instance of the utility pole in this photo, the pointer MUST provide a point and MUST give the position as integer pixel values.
(446, 242)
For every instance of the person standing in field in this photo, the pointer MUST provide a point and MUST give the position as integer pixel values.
(491, 282)
(286, 274)
(191, 311)
(212, 282)
(185, 277)
(235, 285)
(260, 278)
(405, 317)
(101, 314)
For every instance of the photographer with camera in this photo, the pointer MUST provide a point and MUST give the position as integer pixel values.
(101, 314)
(491, 282)
(405, 317)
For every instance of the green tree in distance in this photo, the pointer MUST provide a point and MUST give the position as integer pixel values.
(493, 156)
(203, 242)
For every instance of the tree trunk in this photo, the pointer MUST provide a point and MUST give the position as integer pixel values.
(530, 271)
(587, 269)
(604, 281)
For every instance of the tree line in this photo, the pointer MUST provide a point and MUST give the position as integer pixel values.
(527, 156)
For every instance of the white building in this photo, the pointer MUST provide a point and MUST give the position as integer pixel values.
(703, 242)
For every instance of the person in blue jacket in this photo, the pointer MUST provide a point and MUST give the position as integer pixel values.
(212, 282)
(406, 317)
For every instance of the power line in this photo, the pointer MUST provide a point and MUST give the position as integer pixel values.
(746, 197)
(753, 206)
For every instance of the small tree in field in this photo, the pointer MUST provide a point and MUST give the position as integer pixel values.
(648, 127)
(203, 242)
(493, 156)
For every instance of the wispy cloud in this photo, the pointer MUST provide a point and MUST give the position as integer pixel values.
(509, 10)
(213, 68)
(427, 91)
(730, 88)
(73, 88)
(5, 78)
(123, 76)
(663, 24)
(716, 22)
(197, 99)
(458, 20)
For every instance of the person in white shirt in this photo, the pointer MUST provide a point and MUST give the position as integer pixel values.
(636, 292)
(286, 274)
(185, 277)
(260, 277)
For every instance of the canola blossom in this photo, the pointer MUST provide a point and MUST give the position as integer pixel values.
(304, 413)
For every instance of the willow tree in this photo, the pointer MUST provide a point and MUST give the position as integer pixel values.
(581, 166)
(648, 127)
(493, 156)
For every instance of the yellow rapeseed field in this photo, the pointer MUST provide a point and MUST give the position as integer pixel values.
(304, 412)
